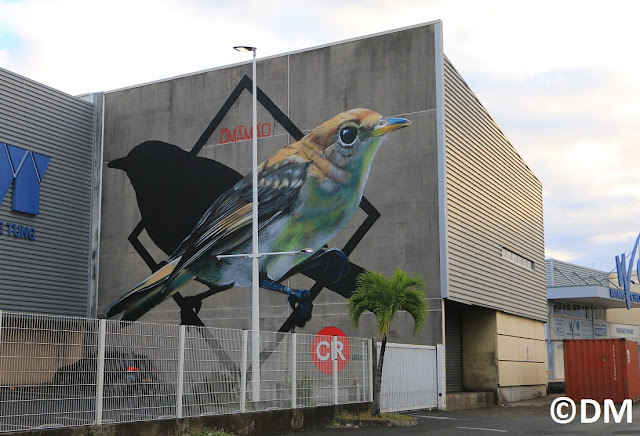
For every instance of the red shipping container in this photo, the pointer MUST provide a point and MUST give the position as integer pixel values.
(600, 369)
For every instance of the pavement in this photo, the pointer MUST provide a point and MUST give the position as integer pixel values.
(528, 417)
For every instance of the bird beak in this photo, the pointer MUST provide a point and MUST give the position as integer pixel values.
(389, 124)
(120, 164)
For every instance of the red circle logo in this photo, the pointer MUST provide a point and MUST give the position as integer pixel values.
(321, 349)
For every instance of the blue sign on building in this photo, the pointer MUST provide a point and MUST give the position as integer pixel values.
(25, 169)
(624, 273)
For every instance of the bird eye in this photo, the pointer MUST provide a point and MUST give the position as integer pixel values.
(348, 135)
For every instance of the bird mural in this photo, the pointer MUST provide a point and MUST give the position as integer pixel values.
(307, 192)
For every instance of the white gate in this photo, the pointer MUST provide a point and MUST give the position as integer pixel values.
(412, 377)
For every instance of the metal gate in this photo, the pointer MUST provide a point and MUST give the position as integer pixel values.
(412, 378)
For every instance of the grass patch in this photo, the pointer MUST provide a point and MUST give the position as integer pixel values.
(343, 417)
(211, 433)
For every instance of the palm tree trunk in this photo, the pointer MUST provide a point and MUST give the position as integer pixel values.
(378, 383)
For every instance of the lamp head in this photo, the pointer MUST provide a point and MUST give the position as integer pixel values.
(244, 48)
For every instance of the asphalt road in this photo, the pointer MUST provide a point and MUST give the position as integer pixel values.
(505, 420)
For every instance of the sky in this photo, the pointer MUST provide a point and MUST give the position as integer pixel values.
(561, 78)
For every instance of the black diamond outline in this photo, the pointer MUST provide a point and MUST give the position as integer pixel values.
(246, 84)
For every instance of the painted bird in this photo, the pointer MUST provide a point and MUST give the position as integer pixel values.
(307, 192)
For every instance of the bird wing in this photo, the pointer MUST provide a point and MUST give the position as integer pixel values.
(228, 222)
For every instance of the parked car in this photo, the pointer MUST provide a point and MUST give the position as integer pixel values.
(125, 373)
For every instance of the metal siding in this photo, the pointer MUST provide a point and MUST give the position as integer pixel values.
(453, 349)
(493, 200)
(49, 274)
(562, 274)
(413, 382)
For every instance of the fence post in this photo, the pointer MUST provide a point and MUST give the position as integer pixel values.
(371, 366)
(294, 371)
(180, 390)
(0, 329)
(362, 396)
(334, 357)
(102, 333)
(243, 372)
(441, 376)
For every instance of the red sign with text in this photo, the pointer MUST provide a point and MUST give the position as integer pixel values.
(321, 349)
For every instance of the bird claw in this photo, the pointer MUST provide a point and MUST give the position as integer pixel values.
(300, 302)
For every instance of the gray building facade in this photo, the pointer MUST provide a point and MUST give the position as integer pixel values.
(308, 87)
(448, 197)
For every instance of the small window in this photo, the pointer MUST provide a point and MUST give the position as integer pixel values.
(589, 312)
(579, 311)
(517, 259)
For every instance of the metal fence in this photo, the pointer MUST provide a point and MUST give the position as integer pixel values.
(413, 377)
(60, 371)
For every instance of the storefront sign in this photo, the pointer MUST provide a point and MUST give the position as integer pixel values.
(24, 169)
(624, 331)
(600, 330)
(586, 330)
(17, 231)
(558, 331)
(580, 329)
(564, 328)
(624, 273)
(619, 294)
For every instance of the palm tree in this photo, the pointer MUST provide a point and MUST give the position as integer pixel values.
(384, 298)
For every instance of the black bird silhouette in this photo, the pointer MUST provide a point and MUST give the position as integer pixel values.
(173, 188)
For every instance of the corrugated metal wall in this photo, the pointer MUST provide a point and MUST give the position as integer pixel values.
(493, 201)
(559, 273)
(413, 382)
(48, 274)
(453, 348)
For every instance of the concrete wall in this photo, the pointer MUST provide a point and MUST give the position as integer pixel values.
(393, 74)
(503, 353)
(624, 316)
(256, 423)
(479, 356)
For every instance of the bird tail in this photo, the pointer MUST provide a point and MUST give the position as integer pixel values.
(148, 293)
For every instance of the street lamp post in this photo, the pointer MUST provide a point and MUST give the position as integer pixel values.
(255, 253)
(255, 274)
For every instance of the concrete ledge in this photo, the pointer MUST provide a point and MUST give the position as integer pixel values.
(510, 394)
(255, 423)
(470, 400)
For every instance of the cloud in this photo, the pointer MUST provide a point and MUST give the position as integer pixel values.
(95, 46)
(4, 59)
(563, 255)
(559, 78)
(618, 238)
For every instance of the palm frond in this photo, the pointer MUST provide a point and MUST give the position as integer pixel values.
(385, 298)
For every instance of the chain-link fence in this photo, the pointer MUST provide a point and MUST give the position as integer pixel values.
(61, 371)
